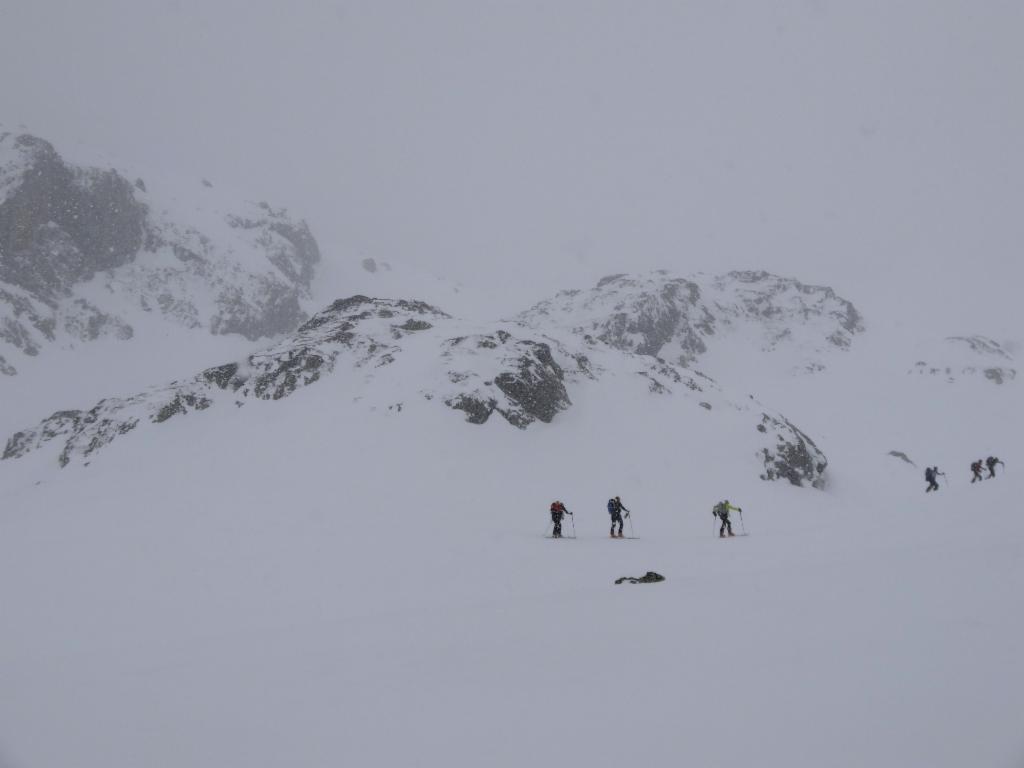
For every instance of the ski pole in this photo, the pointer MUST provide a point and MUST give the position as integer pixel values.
(632, 533)
(743, 528)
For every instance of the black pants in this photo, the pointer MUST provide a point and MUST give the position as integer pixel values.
(977, 476)
(992, 470)
(725, 524)
(932, 486)
(616, 518)
(557, 533)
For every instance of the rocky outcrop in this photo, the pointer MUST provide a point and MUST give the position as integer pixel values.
(518, 378)
(84, 250)
(389, 355)
(677, 318)
(967, 357)
(777, 301)
(790, 454)
(356, 338)
(60, 225)
(648, 578)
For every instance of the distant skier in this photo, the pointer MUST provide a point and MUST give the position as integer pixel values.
(558, 511)
(931, 474)
(721, 511)
(991, 462)
(615, 509)
(976, 469)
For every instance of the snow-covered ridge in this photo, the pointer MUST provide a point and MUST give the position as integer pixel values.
(975, 356)
(677, 318)
(390, 355)
(84, 251)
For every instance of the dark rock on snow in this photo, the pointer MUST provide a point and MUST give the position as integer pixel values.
(648, 578)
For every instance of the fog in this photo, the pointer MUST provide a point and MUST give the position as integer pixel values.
(873, 146)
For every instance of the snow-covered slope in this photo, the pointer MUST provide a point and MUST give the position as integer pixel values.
(959, 356)
(781, 322)
(87, 254)
(308, 581)
(395, 355)
(328, 548)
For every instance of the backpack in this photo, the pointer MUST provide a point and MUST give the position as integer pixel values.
(929, 474)
(719, 510)
(612, 507)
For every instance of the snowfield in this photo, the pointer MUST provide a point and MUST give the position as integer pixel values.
(309, 311)
(310, 581)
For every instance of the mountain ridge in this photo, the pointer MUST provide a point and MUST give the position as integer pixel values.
(509, 369)
(84, 252)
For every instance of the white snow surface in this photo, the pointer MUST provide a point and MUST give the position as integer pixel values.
(318, 580)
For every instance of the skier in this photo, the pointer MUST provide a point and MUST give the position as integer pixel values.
(721, 511)
(615, 509)
(930, 474)
(976, 469)
(558, 511)
(991, 462)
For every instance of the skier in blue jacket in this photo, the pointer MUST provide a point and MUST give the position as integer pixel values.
(615, 509)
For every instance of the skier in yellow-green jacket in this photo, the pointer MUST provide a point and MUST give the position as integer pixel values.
(721, 511)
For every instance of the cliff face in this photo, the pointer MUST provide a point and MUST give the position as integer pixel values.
(84, 251)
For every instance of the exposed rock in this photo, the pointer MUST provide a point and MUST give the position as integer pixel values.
(648, 578)
(968, 357)
(981, 345)
(792, 455)
(478, 371)
(61, 225)
(675, 318)
(477, 410)
(774, 297)
(486, 373)
(85, 431)
(83, 321)
(527, 384)
(412, 326)
(902, 457)
(181, 404)
(71, 236)
(999, 375)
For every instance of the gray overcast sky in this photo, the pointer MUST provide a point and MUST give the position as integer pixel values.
(863, 144)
